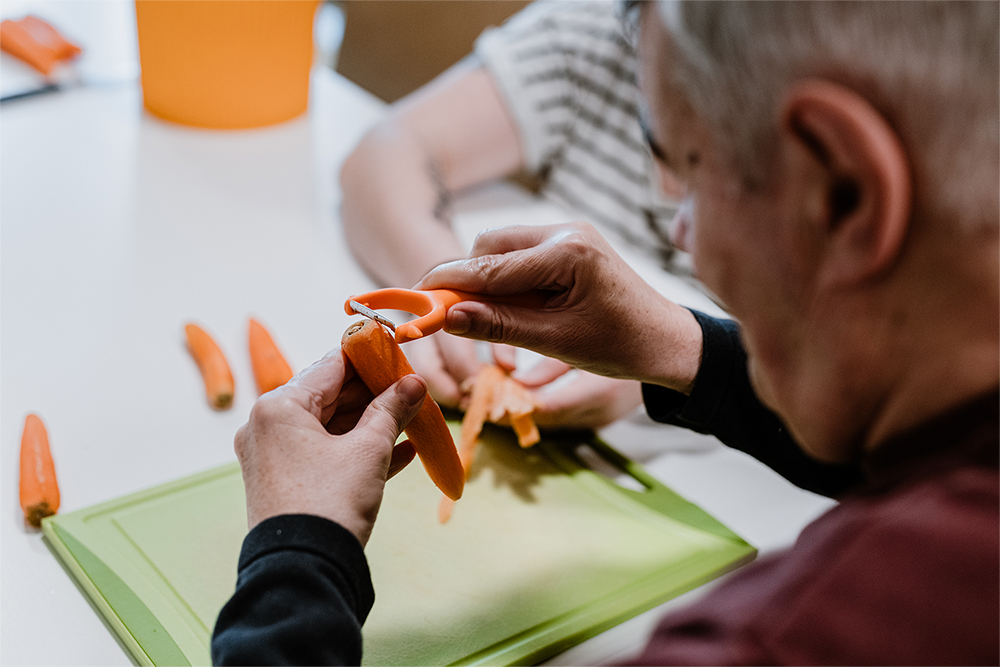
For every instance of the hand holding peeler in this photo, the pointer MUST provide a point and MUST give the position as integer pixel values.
(430, 305)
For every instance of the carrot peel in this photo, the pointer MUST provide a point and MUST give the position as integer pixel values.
(380, 362)
(38, 488)
(219, 386)
(494, 395)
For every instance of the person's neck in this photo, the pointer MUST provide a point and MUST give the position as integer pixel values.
(902, 352)
(951, 352)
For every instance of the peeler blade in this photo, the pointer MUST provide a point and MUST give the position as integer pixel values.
(371, 314)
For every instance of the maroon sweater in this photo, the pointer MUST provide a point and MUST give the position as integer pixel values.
(903, 571)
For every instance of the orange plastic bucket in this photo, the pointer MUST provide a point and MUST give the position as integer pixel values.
(225, 63)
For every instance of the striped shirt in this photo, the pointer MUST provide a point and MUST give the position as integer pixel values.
(567, 72)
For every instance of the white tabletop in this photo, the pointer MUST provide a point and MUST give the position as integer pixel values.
(117, 228)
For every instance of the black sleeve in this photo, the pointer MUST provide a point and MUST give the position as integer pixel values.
(723, 404)
(302, 593)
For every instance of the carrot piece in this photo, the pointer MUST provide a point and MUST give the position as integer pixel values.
(494, 395)
(481, 400)
(482, 397)
(444, 509)
(270, 369)
(526, 430)
(379, 362)
(39, 490)
(219, 386)
(519, 404)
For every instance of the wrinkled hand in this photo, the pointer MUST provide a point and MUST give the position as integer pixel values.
(323, 445)
(600, 316)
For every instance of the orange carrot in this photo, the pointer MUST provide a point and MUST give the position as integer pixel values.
(379, 362)
(519, 404)
(480, 401)
(269, 366)
(215, 371)
(496, 395)
(526, 430)
(39, 491)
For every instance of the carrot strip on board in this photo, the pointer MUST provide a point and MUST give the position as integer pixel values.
(480, 401)
(379, 362)
(219, 386)
(484, 390)
(519, 405)
(39, 490)
(270, 369)
(496, 395)
(444, 509)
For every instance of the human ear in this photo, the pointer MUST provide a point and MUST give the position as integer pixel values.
(868, 182)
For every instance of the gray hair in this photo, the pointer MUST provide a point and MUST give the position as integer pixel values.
(930, 68)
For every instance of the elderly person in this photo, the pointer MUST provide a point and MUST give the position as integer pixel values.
(841, 166)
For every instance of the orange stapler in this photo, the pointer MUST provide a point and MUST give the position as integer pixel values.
(430, 305)
(35, 42)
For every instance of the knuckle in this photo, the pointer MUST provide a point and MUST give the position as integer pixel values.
(240, 444)
(483, 267)
(270, 407)
(498, 328)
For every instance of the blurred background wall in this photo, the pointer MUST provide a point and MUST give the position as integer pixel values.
(392, 47)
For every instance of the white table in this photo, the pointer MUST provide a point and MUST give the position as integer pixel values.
(118, 228)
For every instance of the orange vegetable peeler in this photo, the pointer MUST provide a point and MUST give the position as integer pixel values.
(36, 42)
(430, 305)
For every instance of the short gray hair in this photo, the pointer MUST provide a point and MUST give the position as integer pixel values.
(930, 68)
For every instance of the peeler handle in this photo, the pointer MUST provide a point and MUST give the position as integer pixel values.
(431, 306)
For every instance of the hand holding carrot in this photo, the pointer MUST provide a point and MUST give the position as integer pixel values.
(322, 444)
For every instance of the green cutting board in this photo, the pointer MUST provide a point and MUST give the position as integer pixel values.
(540, 554)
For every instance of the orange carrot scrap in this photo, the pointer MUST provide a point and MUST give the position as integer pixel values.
(380, 362)
(494, 395)
(270, 369)
(219, 386)
(39, 490)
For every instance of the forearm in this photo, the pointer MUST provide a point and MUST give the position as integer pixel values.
(451, 134)
(302, 594)
(396, 208)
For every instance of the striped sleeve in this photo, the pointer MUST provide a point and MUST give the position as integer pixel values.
(568, 74)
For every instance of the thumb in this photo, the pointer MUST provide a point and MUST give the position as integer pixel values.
(391, 411)
(497, 323)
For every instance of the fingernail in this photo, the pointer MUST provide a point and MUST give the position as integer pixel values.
(411, 390)
(458, 322)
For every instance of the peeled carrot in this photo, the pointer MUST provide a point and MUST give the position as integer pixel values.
(39, 491)
(269, 366)
(219, 386)
(379, 362)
